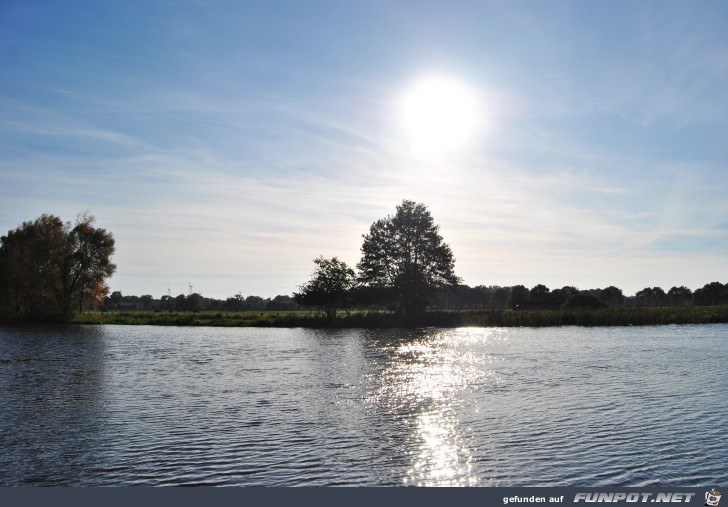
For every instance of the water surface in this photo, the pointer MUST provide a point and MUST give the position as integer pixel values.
(116, 405)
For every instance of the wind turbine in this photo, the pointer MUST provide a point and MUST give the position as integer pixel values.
(188, 283)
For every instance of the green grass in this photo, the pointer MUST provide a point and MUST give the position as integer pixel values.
(201, 318)
(453, 318)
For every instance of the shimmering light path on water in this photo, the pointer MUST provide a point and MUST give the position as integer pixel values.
(143, 405)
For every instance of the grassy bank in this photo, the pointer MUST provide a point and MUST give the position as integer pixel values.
(453, 318)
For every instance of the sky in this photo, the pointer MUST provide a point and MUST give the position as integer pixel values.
(228, 144)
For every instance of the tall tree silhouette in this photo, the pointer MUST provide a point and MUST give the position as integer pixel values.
(405, 259)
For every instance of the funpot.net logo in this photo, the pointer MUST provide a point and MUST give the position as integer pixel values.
(667, 497)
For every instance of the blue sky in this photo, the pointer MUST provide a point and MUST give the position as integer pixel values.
(228, 144)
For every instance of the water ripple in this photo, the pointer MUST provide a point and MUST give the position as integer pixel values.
(468, 407)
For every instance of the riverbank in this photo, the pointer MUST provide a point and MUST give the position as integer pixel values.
(447, 318)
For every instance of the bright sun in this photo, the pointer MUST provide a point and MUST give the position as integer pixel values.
(440, 116)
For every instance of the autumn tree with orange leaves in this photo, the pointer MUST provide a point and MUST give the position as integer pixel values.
(50, 269)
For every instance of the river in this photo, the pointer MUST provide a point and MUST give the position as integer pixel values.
(144, 405)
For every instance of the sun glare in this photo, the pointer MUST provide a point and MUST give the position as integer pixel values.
(440, 116)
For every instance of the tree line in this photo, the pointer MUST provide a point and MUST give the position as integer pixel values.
(197, 302)
(406, 267)
(50, 269)
(542, 298)
(460, 297)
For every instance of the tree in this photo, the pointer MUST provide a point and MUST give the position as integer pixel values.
(519, 297)
(166, 302)
(651, 296)
(500, 296)
(29, 269)
(281, 303)
(87, 261)
(180, 303)
(405, 259)
(680, 296)
(714, 293)
(48, 267)
(560, 296)
(612, 296)
(146, 301)
(254, 303)
(195, 302)
(235, 303)
(540, 296)
(329, 286)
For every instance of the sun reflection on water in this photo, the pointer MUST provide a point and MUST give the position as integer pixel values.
(427, 381)
(443, 458)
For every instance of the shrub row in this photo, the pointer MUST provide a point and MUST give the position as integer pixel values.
(442, 318)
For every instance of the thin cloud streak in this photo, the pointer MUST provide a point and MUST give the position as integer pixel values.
(238, 163)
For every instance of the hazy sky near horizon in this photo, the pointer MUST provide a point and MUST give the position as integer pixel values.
(228, 144)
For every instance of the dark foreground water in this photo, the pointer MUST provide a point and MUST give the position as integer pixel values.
(121, 405)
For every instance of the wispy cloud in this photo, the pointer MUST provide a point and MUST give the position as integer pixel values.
(235, 165)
